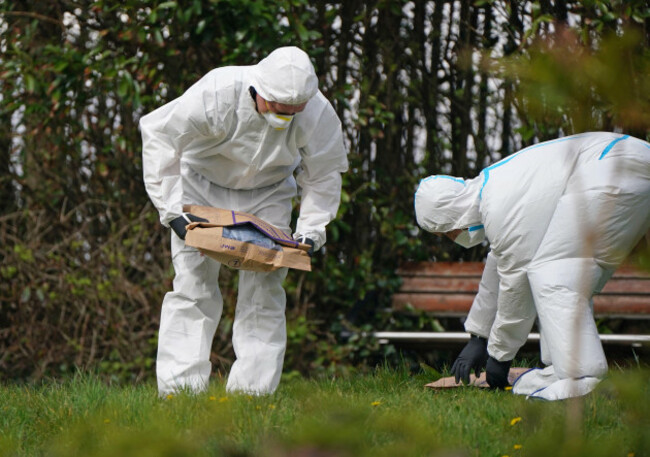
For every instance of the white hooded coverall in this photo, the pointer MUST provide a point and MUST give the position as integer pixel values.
(560, 217)
(211, 147)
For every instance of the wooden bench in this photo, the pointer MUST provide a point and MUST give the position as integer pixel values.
(447, 289)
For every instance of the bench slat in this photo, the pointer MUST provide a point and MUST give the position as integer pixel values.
(442, 304)
(460, 269)
(625, 286)
(449, 288)
(439, 284)
(452, 304)
(616, 285)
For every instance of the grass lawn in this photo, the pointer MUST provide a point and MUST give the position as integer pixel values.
(387, 413)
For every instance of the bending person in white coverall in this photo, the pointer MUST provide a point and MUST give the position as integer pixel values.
(242, 138)
(560, 217)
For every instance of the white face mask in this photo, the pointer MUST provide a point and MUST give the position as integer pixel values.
(471, 237)
(278, 121)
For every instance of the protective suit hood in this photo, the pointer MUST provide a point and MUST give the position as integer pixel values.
(285, 76)
(445, 203)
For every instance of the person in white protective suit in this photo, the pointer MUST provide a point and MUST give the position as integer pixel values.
(242, 138)
(560, 217)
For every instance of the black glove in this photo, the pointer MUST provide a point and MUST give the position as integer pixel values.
(472, 357)
(310, 242)
(178, 225)
(497, 373)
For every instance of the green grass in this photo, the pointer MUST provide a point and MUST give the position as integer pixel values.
(387, 413)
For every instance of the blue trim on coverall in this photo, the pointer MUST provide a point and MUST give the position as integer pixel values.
(453, 178)
(611, 145)
(486, 171)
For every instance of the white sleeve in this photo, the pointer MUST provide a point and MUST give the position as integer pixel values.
(515, 315)
(484, 308)
(319, 176)
(166, 132)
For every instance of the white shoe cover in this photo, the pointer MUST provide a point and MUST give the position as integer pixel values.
(534, 380)
(544, 384)
(567, 388)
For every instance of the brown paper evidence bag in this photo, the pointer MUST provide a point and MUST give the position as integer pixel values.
(278, 249)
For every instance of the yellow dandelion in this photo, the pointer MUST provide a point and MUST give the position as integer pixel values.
(515, 420)
(375, 403)
(505, 455)
(169, 396)
(212, 398)
(508, 388)
(271, 406)
(223, 399)
(517, 446)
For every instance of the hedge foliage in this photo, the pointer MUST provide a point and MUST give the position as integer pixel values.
(422, 87)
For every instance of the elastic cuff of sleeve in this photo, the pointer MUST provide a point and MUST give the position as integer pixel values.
(312, 236)
(505, 363)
